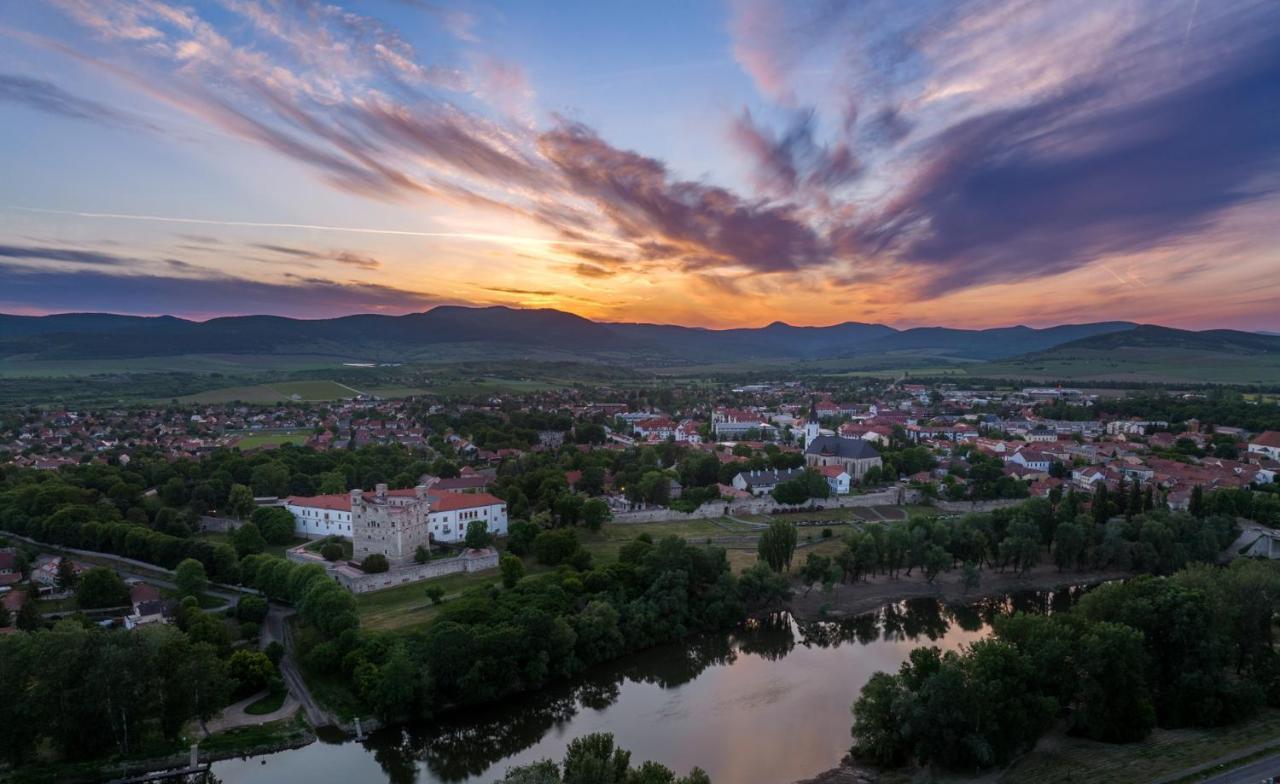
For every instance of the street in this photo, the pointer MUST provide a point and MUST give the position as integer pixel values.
(1251, 773)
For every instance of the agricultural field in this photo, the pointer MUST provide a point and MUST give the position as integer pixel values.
(1149, 365)
(259, 439)
(276, 392)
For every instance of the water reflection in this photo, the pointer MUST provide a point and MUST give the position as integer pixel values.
(773, 671)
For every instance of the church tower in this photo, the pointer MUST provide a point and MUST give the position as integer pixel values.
(811, 425)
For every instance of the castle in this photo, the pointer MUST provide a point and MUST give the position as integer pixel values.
(391, 525)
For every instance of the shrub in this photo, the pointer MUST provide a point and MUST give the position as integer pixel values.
(555, 547)
(374, 563)
(331, 551)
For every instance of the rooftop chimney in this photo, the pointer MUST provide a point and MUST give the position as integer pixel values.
(380, 490)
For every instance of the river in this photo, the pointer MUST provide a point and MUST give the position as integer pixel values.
(769, 703)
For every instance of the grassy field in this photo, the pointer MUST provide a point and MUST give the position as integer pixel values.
(1060, 759)
(190, 363)
(276, 392)
(1161, 365)
(257, 439)
(407, 607)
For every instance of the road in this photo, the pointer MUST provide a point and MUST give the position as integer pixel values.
(1251, 773)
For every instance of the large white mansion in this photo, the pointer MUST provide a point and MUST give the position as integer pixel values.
(395, 522)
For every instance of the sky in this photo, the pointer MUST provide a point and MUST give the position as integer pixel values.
(968, 163)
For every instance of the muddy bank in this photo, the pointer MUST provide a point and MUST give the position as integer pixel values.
(849, 772)
(852, 599)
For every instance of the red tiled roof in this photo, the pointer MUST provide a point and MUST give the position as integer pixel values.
(1269, 438)
(442, 502)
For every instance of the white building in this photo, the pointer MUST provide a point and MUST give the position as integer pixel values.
(838, 479)
(447, 514)
(1265, 444)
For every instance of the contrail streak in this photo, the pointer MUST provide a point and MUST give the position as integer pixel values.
(474, 236)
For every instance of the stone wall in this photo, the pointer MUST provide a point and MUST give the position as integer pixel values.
(964, 507)
(893, 496)
(357, 581)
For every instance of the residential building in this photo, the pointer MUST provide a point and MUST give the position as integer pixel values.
(838, 479)
(1266, 445)
(764, 481)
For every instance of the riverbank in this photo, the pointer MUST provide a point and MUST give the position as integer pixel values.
(845, 601)
(289, 733)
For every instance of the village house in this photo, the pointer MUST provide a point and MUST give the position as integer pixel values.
(1265, 445)
(148, 606)
(764, 481)
(837, 478)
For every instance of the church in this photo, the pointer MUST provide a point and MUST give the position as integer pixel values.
(854, 455)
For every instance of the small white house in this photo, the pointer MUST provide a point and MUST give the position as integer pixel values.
(838, 479)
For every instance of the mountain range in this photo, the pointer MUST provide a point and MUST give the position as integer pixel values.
(450, 332)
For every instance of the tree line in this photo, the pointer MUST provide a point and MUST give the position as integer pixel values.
(1190, 649)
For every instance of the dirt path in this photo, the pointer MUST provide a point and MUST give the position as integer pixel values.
(276, 628)
(864, 597)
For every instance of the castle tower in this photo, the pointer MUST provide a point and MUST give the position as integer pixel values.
(393, 525)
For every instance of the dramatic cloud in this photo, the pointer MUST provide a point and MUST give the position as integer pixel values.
(91, 290)
(793, 160)
(705, 225)
(1041, 189)
(879, 154)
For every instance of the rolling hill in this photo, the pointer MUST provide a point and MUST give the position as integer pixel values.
(451, 332)
(1149, 353)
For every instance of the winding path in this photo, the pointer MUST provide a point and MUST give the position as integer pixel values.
(276, 629)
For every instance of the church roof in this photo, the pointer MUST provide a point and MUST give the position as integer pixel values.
(835, 446)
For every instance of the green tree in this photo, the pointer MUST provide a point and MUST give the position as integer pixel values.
(420, 555)
(777, 545)
(248, 540)
(332, 551)
(275, 523)
(1114, 703)
(101, 587)
(252, 609)
(190, 578)
(435, 593)
(240, 501)
(555, 547)
(814, 570)
(1068, 545)
(595, 513)
(478, 537)
(512, 570)
(28, 619)
(67, 578)
(251, 670)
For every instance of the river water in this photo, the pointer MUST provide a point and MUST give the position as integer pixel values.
(767, 704)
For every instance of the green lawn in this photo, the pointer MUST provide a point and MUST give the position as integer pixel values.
(407, 606)
(268, 704)
(1061, 759)
(260, 439)
(315, 545)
